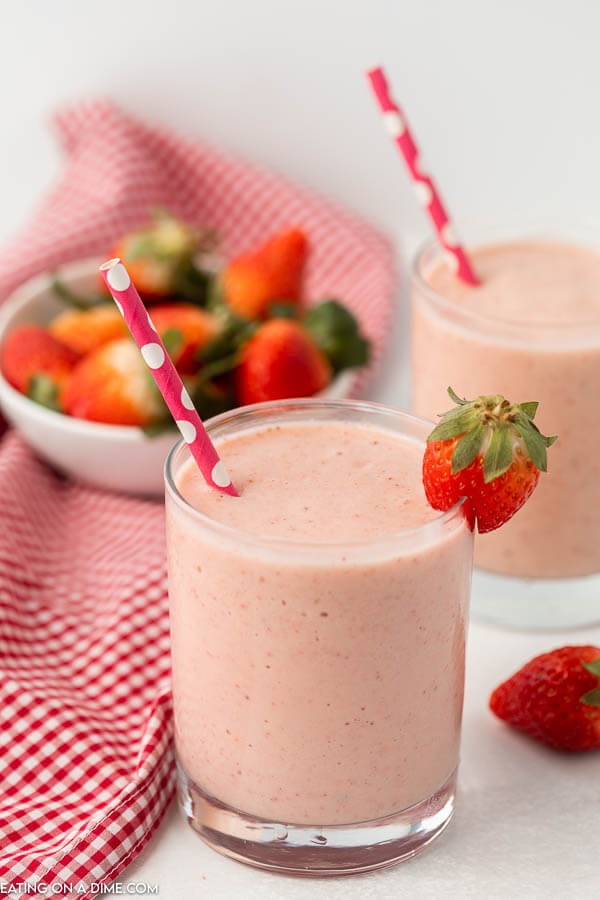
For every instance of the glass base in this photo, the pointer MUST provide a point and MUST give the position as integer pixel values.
(543, 604)
(316, 849)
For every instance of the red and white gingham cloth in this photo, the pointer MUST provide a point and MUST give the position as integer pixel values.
(86, 767)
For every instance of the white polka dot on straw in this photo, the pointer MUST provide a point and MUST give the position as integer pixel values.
(150, 322)
(186, 400)
(451, 260)
(188, 431)
(394, 123)
(154, 355)
(449, 236)
(220, 476)
(423, 192)
(118, 277)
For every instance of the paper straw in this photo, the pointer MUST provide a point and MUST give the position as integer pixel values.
(425, 187)
(165, 375)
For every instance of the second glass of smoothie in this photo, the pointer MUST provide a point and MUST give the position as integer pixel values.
(531, 331)
(318, 638)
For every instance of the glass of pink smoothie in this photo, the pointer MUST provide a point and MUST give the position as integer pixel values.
(530, 331)
(318, 638)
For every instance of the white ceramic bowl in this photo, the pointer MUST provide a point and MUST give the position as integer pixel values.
(115, 457)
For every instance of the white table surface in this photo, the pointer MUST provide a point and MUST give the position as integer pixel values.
(527, 823)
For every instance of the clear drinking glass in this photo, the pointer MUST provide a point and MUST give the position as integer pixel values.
(317, 687)
(540, 570)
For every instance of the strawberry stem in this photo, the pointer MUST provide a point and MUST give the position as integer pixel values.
(494, 428)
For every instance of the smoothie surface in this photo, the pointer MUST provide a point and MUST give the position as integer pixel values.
(317, 481)
(528, 281)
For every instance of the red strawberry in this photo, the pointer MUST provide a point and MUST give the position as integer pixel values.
(29, 351)
(489, 451)
(113, 385)
(272, 272)
(85, 330)
(157, 254)
(555, 698)
(281, 360)
(186, 329)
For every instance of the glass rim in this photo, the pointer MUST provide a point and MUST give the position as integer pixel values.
(447, 306)
(291, 544)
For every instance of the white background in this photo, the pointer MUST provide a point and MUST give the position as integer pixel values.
(503, 96)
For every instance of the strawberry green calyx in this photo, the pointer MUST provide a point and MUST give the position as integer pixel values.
(493, 428)
(44, 390)
(592, 698)
(166, 238)
(337, 333)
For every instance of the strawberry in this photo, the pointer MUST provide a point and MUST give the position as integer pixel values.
(186, 330)
(488, 450)
(271, 273)
(29, 352)
(85, 330)
(113, 385)
(281, 360)
(159, 255)
(555, 698)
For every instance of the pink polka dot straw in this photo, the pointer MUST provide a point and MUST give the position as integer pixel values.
(425, 188)
(169, 383)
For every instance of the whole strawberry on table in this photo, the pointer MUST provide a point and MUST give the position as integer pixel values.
(237, 335)
(555, 698)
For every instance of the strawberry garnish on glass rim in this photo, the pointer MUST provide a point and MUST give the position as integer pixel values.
(487, 450)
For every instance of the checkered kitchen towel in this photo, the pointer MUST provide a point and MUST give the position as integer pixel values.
(86, 767)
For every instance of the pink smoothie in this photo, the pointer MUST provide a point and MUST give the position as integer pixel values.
(318, 631)
(532, 332)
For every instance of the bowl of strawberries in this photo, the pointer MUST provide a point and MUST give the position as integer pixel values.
(74, 384)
